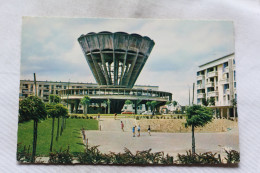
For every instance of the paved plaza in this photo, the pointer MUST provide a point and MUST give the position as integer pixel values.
(111, 138)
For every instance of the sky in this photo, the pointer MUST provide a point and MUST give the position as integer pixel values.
(50, 49)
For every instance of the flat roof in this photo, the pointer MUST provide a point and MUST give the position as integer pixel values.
(217, 59)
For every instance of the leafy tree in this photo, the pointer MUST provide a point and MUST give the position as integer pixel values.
(32, 108)
(61, 112)
(128, 102)
(148, 104)
(53, 114)
(168, 102)
(85, 102)
(174, 103)
(54, 98)
(212, 101)
(197, 116)
(205, 102)
(153, 104)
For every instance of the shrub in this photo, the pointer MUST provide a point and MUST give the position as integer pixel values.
(23, 155)
(232, 156)
(61, 157)
(203, 158)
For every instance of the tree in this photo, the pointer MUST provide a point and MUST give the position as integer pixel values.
(85, 102)
(53, 114)
(153, 104)
(32, 108)
(148, 104)
(174, 103)
(205, 102)
(234, 104)
(128, 102)
(212, 101)
(197, 116)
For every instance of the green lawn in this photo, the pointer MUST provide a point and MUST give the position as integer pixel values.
(71, 135)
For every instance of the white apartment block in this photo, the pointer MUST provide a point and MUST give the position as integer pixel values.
(217, 79)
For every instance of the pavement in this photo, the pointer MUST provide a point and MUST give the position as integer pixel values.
(112, 138)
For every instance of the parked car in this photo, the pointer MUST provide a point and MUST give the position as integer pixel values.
(127, 112)
(147, 113)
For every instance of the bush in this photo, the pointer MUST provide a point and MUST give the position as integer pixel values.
(204, 158)
(24, 155)
(61, 157)
(232, 156)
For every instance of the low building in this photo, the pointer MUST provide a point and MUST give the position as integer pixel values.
(216, 85)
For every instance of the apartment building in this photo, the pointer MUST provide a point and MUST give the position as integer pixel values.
(216, 83)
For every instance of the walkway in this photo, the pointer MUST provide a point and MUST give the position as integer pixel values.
(111, 138)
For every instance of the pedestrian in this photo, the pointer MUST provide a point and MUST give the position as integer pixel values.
(115, 116)
(98, 116)
(122, 126)
(149, 130)
(138, 129)
(134, 131)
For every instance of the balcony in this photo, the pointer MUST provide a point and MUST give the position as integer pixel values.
(210, 84)
(200, 86)
(226, 70)
(213, 74)
(212, 94)
(200, 77)
(224, 81)
(201, 95)
(227, 92)
(27, 92)
(226, 103)
(46, 93)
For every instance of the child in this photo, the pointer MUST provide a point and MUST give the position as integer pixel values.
(122, 126)
(139, 129)
(134, 131)
(149, 130)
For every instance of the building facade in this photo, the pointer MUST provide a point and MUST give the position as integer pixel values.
(216, 86)
(45, 88)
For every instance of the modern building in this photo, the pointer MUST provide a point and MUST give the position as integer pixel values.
(45, 88)
(116, 60)
(216, 83)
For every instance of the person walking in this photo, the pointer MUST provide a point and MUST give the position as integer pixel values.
(149, 130)
(134, 131)
(98, 116)
(138, 129)
(122, 126)
(115, 116)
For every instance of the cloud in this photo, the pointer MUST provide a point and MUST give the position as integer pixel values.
(50, 48)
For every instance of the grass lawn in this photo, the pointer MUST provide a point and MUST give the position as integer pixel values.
(70, 136)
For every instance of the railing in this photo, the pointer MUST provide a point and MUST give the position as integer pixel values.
(201, 95)
(227, 91)
(200, 77)
(226, 70)
(46, 93)
(115, 92)
(213, 94)
(224, 81)
(200, 86)
(212, 74)
(226, 103)
(210, 84)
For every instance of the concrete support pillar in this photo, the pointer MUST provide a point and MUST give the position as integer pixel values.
(99, 108)
(71, 107)
(76, 106)
(108, 108)
(215, 114)
(221, 112)
(135, 102)
(228, 115)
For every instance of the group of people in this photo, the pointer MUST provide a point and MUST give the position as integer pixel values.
(138, 129)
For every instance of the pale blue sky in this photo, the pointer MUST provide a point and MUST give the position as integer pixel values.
(50, 49)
